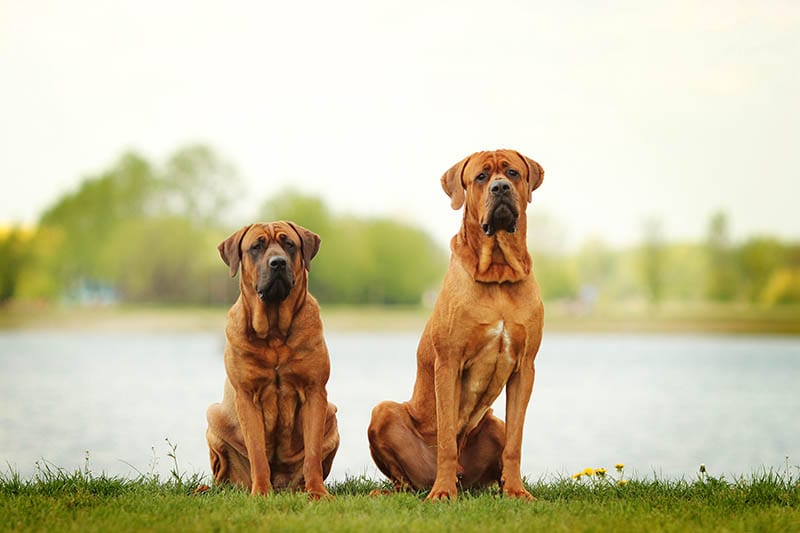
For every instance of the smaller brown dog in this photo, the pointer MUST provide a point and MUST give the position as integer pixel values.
(275, 427)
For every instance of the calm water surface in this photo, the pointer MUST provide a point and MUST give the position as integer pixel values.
(658, 403)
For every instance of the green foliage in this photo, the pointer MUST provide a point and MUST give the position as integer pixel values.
(762, 270)
(405, 262)
(652, 261)
(199, 186)
(362, 261)
(87, 217)
(148, 233)
(782, 288)
(556, 275)
(684, 269)
(722, 278)
(14, 251)
(164, 259)
(308, 211)
(758, 259)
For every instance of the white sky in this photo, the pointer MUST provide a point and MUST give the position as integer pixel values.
(635, 109)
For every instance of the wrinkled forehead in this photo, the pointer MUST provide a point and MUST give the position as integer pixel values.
(267, 232)
(496, 161)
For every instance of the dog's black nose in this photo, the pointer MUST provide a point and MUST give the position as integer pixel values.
(500, 186)
(277, 263)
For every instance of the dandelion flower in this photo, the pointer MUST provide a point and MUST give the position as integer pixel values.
(577, 476)
(600, 472)
(619, 467)
(702, 468)
(588, 472)
(622, 482)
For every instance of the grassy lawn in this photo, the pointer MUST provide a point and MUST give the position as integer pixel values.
(57, 501)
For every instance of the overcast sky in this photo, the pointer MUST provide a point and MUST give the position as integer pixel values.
(636, 110)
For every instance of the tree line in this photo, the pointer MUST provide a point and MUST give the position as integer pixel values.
(146, 232)
(761, 270)
(141, 232)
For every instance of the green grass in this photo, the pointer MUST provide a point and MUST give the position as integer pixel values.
(55, 500)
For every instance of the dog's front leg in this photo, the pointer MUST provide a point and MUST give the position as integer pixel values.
(314, 411)
(518, 393)
(445, 376)
(248, 408)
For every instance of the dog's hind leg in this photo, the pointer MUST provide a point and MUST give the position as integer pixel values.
(399, 450)
(229, 462)
(481, 456)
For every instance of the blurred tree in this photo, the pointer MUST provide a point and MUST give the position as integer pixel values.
(163, 259)
(722, 278)
(758, 259)
(199, 186)
(652, 260)
(344, 265)
(87, 217)
(139, 229)
(556, 271)
(307, 210)
(36, 281)
(406, 262)
(783, 287)
(685, 270)
(556, 276)
(596, 263)
(377, 261)
(13, 253)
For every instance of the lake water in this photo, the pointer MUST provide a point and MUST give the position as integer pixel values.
(658, 403)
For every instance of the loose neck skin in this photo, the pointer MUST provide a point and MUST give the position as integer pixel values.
(499, 258)
(273, 319)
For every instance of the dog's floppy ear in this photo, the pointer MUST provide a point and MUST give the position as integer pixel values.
(535, 175)
(453, 183)
(309, 243)
(230, 250)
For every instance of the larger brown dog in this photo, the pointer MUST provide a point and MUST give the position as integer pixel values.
(483, 335)
(275, 426)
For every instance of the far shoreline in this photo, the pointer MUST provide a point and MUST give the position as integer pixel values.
(698, 319)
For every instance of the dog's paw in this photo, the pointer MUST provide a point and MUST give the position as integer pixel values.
(201, 489)
(518, 492)
(319, 494)
(261, 489)
(442, 492)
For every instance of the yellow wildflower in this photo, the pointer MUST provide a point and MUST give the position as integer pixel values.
(622, 482)
(600, 472)
(577, 476)
(588, 472)
(619, 467)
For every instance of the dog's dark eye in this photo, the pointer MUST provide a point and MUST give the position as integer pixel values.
(511, 173)
(258, 245)
(483, 176)
(289, 244)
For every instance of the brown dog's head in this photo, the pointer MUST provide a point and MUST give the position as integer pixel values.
(272, 256)
(496, 187)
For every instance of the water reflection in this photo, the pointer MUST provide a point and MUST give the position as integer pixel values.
(656, 403)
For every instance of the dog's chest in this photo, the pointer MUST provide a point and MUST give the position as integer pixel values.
(499, 342)
(271, 375)
(492, 355)
(491, 361)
